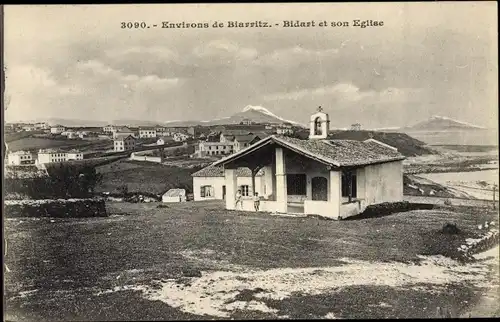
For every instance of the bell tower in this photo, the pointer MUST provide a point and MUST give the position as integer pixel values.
(319, 125)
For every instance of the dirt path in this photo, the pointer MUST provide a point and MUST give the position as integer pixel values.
(489, 305)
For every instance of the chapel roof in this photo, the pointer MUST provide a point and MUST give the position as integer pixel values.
(218, 171)
(339, 153)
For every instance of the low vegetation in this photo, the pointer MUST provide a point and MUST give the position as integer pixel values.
(55, 208)
(144, 177)
(34, 144)
(63, 180)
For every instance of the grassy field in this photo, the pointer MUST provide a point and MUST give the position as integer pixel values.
(145, 177)
(198, 261)
(32, 143)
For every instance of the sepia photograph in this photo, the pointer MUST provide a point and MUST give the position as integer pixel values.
(250, 161)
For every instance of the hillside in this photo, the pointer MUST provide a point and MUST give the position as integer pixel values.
(441, 123)
(405, 144)
(256, 114)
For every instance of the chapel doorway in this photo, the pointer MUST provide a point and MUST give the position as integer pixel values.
(319, 188)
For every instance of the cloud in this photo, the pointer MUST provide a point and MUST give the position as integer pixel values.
(26, 79)
(294, 56)
(162, 52)
(225, 49)
(346, 92)
(99, 70)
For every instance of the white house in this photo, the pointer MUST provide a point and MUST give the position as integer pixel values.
(284, 129)
(20, 157)
(330, 178)
(356, 127)
(50, 156)
(29, 128)
(57, 129)
(214, 148)
(209, 183)
(147, 132)
(124, 142)
(164, 140)
(180, 137)
(121, 131)
(108, 129)
(174, 195)
(74, 155)
(42, 126)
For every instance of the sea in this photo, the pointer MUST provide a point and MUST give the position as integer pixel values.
(457, 137)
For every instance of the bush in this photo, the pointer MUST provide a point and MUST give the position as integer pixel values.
(447, 202)
(450, 229)
(63, 181)
(389, 208)
(56, 208)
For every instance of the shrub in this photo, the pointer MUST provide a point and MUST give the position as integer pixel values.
(450, 229)
(63, 181)
(447, 202)
(56, 208)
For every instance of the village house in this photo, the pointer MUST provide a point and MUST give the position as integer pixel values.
(57, 129)
(204, 149)
(29, 128)
(356, 127)
(284, 129)
(50, 156)
(198, 131)
(180, 137)
(247, 122)
(121, 131)
(20, 158)
(164, 140)
(124, 142)
(74, 155)
(209, 183)
(330, 178)
(108, 129)
(147, 132)
(41, 126)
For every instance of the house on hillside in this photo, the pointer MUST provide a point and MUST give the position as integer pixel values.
(165, 140)
(242, 141)
(209, 183)
(206, 148)
(124, 142)
(74, 155)
(180, 137)
(285, 128)
(29, 128)
(108, 129)
(356, 127)
(147, 132)
(330, 178)
(57, 129)
(51, 156)
(122, 130)
(20, 158)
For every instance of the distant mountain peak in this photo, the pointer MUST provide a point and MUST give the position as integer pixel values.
(263, 110)
(443, 123)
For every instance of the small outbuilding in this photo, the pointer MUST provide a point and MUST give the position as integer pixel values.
(174, 195)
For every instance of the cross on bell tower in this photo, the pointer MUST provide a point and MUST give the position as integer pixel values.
(320, 109)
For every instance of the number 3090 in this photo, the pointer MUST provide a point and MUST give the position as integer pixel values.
(133, 25)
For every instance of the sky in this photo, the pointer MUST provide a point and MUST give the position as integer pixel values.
(76, 62)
